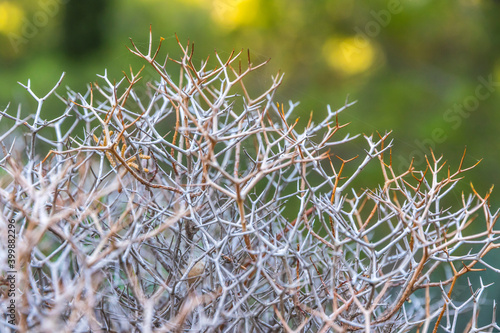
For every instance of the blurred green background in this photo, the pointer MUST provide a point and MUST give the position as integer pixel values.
(427, 70)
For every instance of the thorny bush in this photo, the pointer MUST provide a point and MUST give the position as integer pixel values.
(167, 213)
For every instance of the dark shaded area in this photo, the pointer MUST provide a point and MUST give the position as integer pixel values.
(84, 27)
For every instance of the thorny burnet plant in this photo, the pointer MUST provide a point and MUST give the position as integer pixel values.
(167, 213)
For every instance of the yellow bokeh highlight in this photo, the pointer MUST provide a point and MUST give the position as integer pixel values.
(11, 16)
(231, 14)
(350, 55)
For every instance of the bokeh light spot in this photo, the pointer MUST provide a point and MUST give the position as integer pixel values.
(231, 14)
(350, 55)
(11, 16)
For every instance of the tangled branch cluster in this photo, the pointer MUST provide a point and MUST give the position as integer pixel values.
(171, 211)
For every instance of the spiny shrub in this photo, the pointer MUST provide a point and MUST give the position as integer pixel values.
(167, 206)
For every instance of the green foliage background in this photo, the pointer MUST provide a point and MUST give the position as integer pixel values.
(409, 63)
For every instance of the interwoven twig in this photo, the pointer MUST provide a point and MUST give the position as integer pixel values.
(190, 205)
